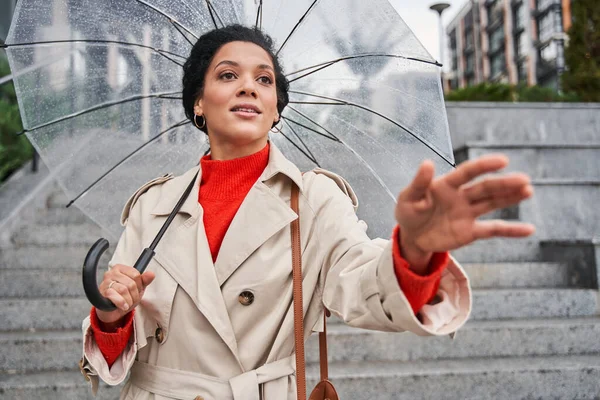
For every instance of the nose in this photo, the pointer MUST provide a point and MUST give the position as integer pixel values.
(247, 88)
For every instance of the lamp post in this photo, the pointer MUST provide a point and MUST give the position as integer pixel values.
(439, 8)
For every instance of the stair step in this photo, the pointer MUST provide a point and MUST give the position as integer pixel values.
(53, 235)
(499, 250)
(62, 216)
(26, 351)
(518, 275)
(563, 209)
(555, 377)
(492, 304)
(67, 313)
(542, 161)
(533, 123)
(32, 283)
(510, 338)
(53, 385)
(489, 378)
(51, 257)
(66, 282)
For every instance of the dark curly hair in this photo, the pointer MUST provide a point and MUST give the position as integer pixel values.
(203, 52)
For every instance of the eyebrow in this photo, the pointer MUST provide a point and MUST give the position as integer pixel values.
(234, 64)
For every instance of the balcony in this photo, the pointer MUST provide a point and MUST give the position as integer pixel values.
(553, 5)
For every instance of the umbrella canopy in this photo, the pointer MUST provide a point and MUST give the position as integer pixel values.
(99, 89)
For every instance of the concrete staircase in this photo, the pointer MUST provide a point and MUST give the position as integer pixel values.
(533, 333)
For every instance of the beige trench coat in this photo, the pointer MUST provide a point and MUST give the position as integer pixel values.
(193, 337)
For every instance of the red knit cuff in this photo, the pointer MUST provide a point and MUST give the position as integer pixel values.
(112, 344)
(418, 289)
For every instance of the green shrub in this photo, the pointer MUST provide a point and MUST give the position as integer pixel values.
(503, 92)
(14, 150)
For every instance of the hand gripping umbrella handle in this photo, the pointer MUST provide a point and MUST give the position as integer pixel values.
(90, 266)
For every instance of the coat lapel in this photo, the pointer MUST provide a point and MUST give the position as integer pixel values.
(185, 254)
(261, 215)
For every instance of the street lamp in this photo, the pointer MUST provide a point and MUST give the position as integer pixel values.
(439, 8)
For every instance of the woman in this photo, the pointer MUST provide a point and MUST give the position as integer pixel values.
(212, 315)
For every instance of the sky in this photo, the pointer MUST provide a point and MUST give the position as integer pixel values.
(424, 22)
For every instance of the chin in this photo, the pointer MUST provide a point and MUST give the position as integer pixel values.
(243, 135)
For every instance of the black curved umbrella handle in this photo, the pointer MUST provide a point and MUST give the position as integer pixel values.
(90, 266)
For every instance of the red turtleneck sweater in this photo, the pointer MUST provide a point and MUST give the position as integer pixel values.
(223, 187)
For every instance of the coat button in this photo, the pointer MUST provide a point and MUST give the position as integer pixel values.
(246, 298)
(159, 335)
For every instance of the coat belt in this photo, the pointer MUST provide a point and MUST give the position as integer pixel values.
(186, 385)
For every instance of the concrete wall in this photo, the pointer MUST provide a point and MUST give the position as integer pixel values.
(556, 123)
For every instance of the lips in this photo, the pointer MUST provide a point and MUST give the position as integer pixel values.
(246, 108)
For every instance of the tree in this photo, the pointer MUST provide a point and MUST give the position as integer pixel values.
(583, 52)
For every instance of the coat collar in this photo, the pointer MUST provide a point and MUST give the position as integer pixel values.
(174, 188)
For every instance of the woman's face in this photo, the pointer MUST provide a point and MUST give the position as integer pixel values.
(239, 101)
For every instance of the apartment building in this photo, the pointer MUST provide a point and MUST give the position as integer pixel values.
(510, 41)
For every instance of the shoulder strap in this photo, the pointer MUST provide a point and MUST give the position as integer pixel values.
(298, 309)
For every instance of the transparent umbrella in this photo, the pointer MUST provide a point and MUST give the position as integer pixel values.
(99, 89)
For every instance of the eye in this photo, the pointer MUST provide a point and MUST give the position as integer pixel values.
(227, 76)
(266, 80)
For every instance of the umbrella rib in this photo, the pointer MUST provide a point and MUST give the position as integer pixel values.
(311, 129)
(316, 123)
(298, 147)
(302, 141)
(177, 125)
(170, 18)
(342, 102)
(161, 52)
(259, 15)
(296, 26)
(362, 160)
(181, 33)
(212, 10)
(319, 103)
(211, 14)
(327, 64)
(100, 107)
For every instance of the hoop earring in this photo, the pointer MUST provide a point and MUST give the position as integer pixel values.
(203, 122)
(275, 129)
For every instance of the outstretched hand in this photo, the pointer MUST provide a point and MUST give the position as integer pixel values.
(437, 215)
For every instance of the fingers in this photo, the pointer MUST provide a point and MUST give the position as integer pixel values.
(147, 278)
(499, 228)
(124, 286)
(498, 201)
(420, 183)
(496, 186)
(471, 169)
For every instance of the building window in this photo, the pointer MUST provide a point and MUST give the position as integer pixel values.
(497, 63)
(522, 70)
(522, 45)
(542, 5)
(520, 16)
(469, 39)
(470, 61)
(453, 51)
(546, 27)
(497, 39)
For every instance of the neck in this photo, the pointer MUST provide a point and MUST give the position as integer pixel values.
(223, 150)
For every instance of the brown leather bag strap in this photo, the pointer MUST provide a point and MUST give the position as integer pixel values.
(298, 311)
(297, 299)
(323, 349)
